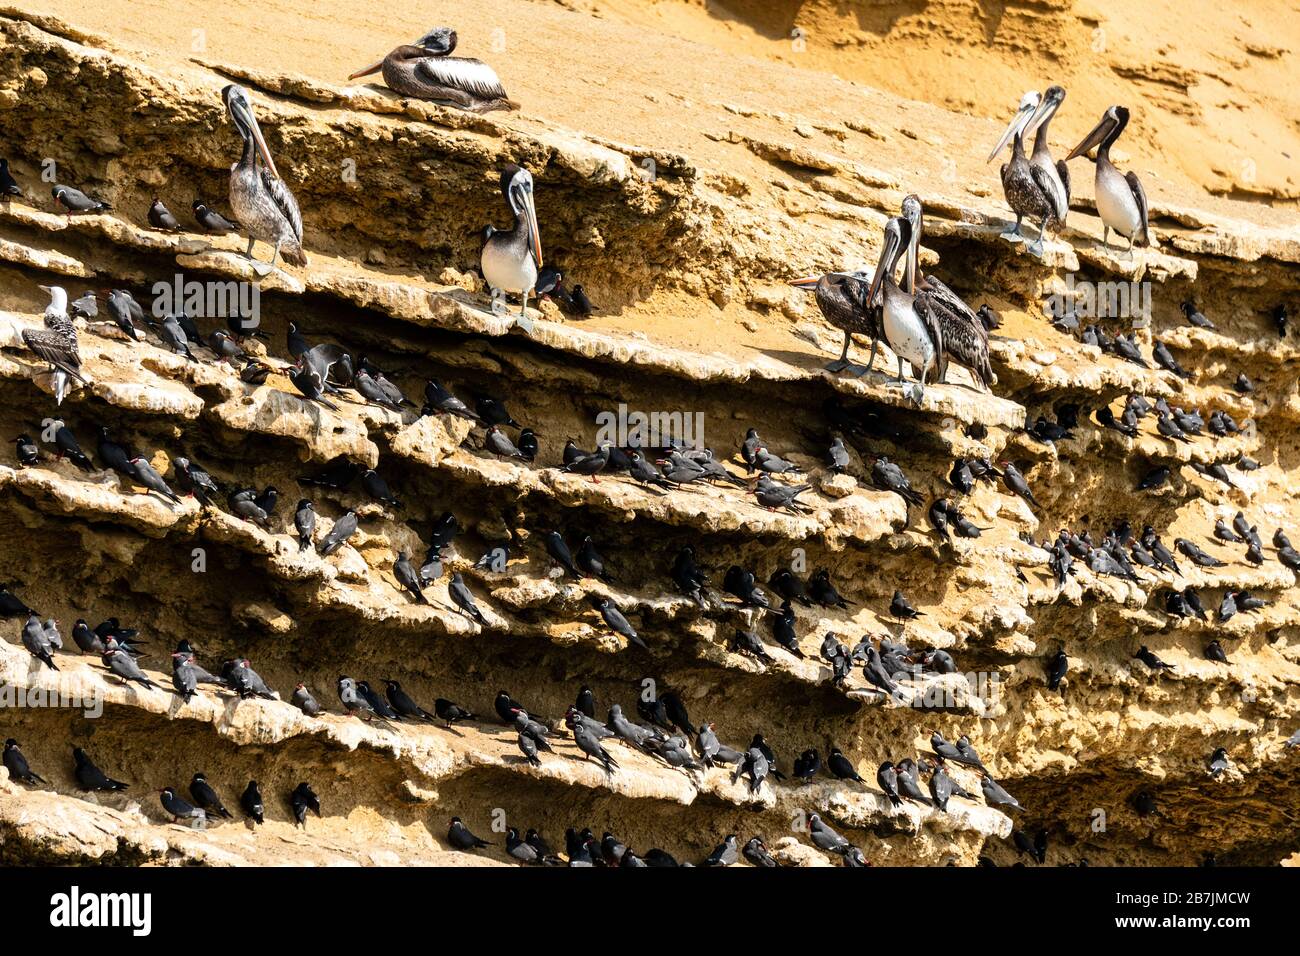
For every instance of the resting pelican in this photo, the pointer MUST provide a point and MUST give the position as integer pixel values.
(1121, 200)
(1056, 174)
(426, 70)
(909, 325)
(965, 338)
(842, 298)
(261, 201)
(512, 257)
(1024, 185)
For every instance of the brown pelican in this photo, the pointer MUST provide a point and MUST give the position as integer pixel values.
(1025, 186)
(261, 201)
(842, 298)
(426, 70)
(1121, 200)
(909, 325)
(57, 342)
(1055, 172)
(512, 257)
(965, 338)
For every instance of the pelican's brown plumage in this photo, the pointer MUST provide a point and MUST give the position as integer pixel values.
(426, 70)
(965, 338)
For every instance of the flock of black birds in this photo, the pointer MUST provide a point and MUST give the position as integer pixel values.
(324, 374)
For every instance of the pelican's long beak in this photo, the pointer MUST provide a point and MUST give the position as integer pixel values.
(261, 145)
(889, 250)
(807, 282)
(1018, 122)
(242, 113)
(534, 235)
(1046, 110)
(913, 249)
(1093, 139)
(373, 68)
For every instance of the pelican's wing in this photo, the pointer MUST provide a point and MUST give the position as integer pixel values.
(944, 298)
(462, 73)
(1063, 170)
(1051, 189)
(924, 308)
(1141, 196)
(284, 201)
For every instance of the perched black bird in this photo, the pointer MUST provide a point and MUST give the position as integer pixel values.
(887, 778)
(841, 767)
(740, 583)
(1155, 478)
(725, 853)
(1219, 761)
(160, 217)
(212, 221)
(755, 851)
(806, 765)
(823, 592)
(1198, 557)
(180, 808)
(887, 476)
(615, 620)
(1151, 660)
(560, 553)
(304, 520)
(789, 586)
(528, 444)
(206, 797)
(449, 712)
(403, 704)
(1194, 316)
(301, 800)
(344, 528)
(250, 801)
(11, 605)
(1214, 652)
(1016, 483)
(74, 200)
(437, 398)
(16, 764)
(89, 777)
(901, 609)
(590, 562)
(464, 598)
(8, 185)
(493, 411)
(26, 451)
(1056, 669)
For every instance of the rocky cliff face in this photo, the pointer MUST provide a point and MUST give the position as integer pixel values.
(688, 263)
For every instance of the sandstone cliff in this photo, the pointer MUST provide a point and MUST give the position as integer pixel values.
(784, 173)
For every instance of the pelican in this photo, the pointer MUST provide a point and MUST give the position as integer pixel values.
(842, 298)
(426, 70)
(512, 257)
(1121, 200)
(965, 338)
(907, 321)
(1024, 185)
(1056, 174)
(261, 201)
(57, 342)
